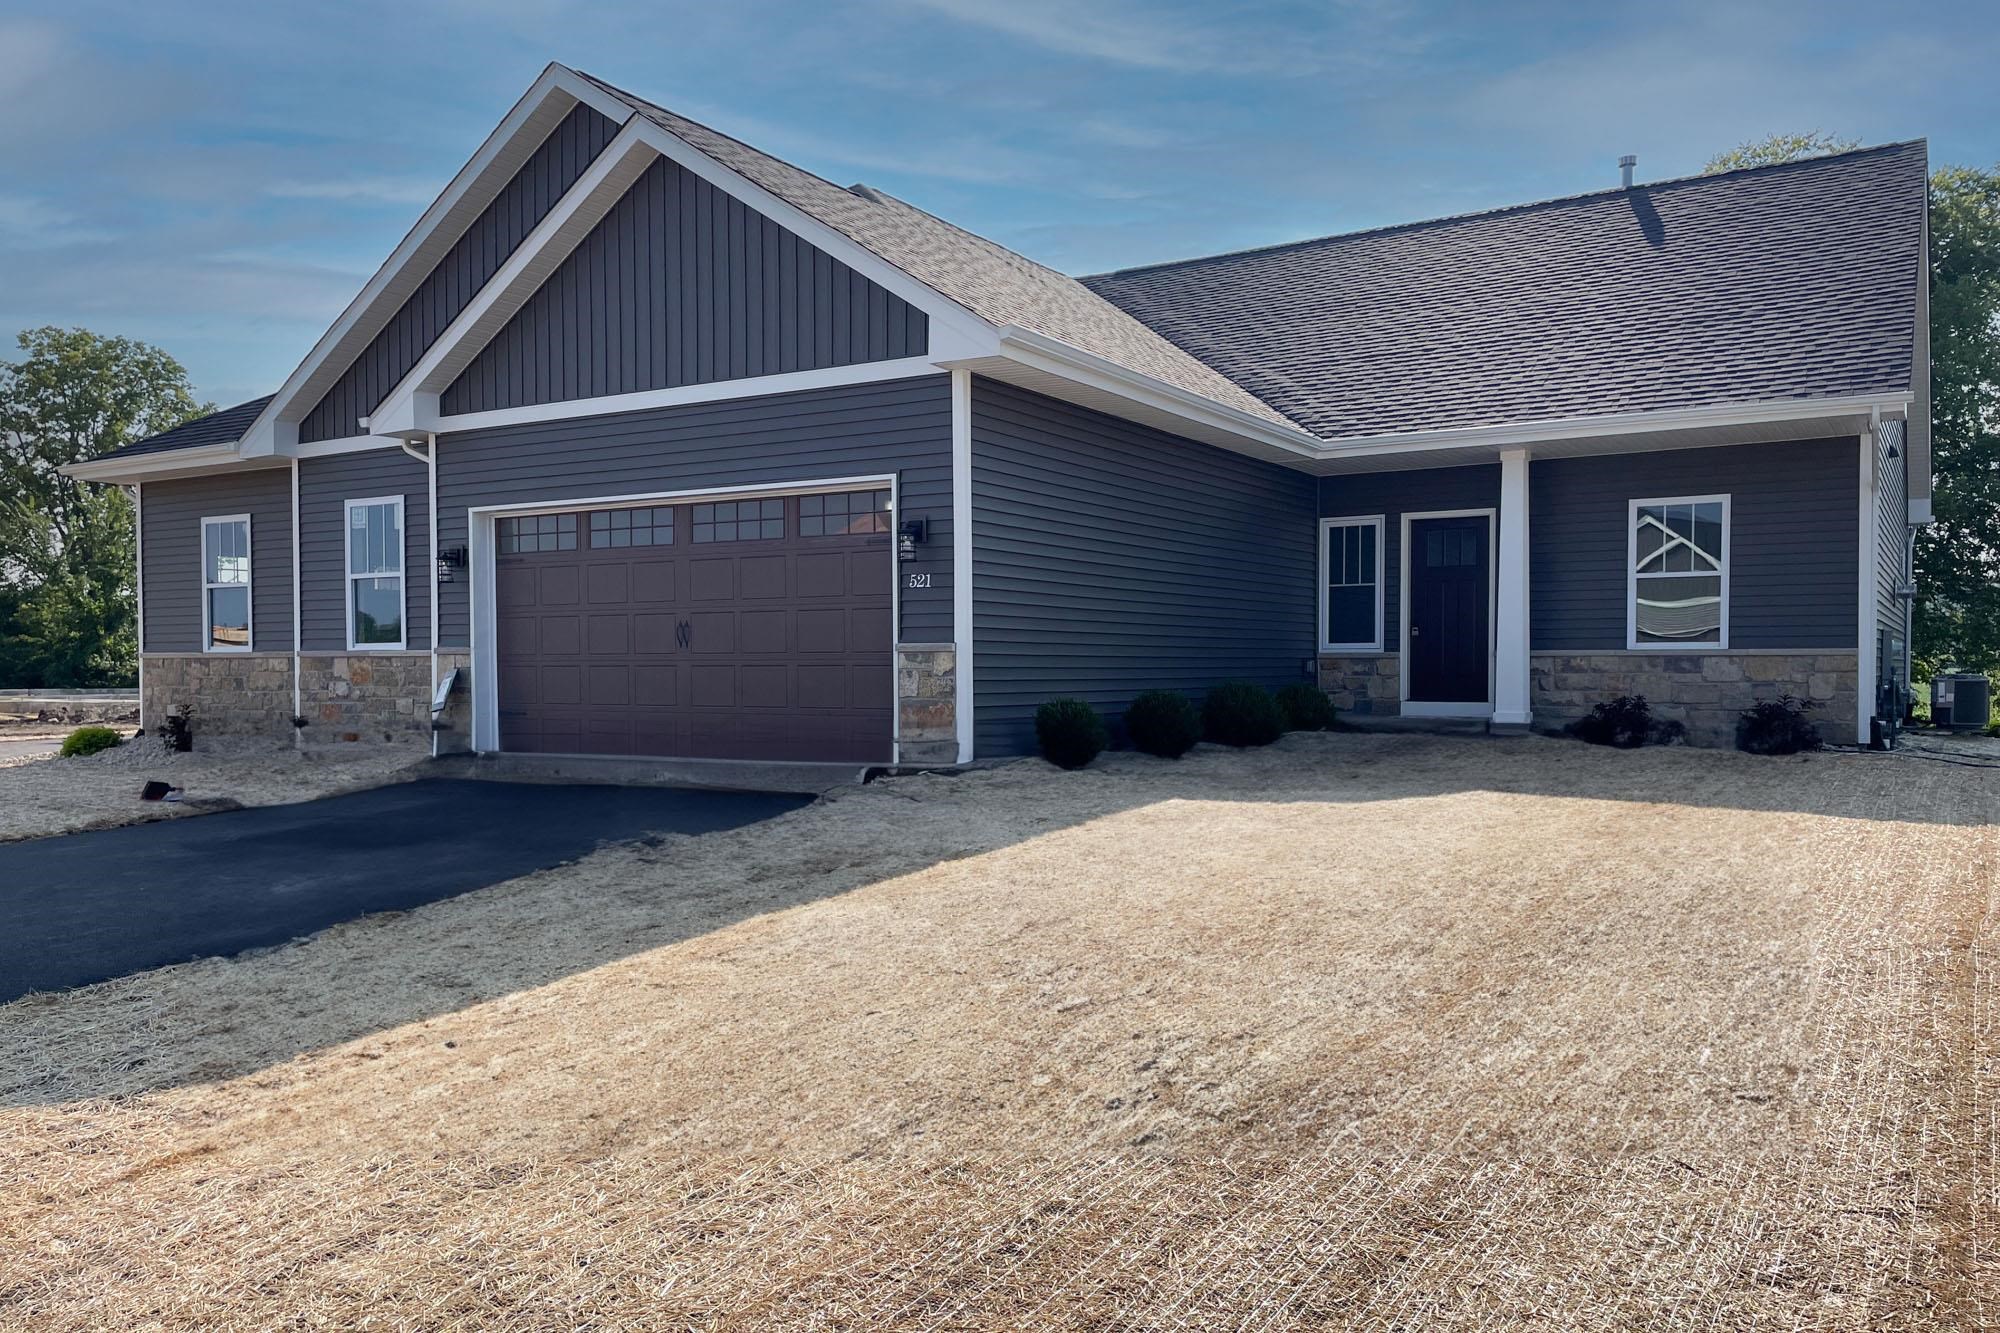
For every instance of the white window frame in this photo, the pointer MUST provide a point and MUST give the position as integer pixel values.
(1632, 576)
(402, 575)
(1326, 525)
(248, 586)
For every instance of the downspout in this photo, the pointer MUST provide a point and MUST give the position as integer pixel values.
(137, 492)
(429, 459)
(298, 685)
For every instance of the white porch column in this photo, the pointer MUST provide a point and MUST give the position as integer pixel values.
(1510, 625)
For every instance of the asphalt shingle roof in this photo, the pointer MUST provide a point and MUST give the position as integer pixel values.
(1781, 282)
(990, 280)
(224, 427)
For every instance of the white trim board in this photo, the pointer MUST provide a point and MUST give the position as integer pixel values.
(1632, 508)
(1445, 708)
(249, 585)
(1380, 523)
(483, 611)
(554, 94)
(962, 626)
(402, 574)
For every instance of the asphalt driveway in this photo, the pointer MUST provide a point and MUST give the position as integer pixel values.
(90, 906)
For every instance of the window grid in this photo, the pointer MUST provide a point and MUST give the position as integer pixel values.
(376, 610)
(536, 532)
(1679, 573)
(225, 575)
(1351, 600)
(632, 527)
(843, 514)
(739, 521)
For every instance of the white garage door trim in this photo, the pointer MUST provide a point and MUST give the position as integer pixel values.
(480, 521)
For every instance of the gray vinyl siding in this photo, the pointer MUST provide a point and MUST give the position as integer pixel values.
(171, 565)
(681, 283)
(1892, 523)
(325, 487)
(477, 255)
(1110, 558)
(1794, 543)
(1393, 494)
(898, 426)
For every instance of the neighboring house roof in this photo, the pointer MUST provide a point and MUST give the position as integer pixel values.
(990, 280)
(1758, 285)
(224, 427)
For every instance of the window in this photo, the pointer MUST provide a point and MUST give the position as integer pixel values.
(538, 532)
(375, 573)
(845, 514)
(631, 527)
(739, 521)
(1678, 593)
(225, 584)
(1350, 575)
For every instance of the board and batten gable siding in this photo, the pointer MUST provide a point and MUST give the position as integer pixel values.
(1111, 558)
(477, 255)
(1393, 494)
(1794, 541)
(171, 561)
(325, 487)
(681, 283)
(900, 427)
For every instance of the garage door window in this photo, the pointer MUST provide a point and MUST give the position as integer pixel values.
(632, 527)
(739, 521)
(539, 532)
(375, 573)
(846, 514)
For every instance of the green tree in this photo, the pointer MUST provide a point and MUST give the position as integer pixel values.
(66, 553)
(1776, 148)
(1958, 557)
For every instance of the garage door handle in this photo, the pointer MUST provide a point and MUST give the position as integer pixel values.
(684, 633)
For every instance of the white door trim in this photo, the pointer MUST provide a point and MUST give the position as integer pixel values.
(1430, 708)
(483, 609)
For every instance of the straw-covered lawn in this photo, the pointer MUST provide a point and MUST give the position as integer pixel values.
(1360, 1031)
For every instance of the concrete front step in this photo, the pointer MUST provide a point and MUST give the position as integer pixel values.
(1429, 726)
(713, 774)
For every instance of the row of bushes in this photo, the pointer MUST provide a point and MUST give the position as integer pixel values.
(1166, 723)
(1771, 726)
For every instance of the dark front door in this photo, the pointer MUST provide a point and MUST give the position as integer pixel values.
(748, 629)
(1450, 602)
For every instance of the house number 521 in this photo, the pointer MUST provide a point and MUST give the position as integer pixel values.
(919, 581)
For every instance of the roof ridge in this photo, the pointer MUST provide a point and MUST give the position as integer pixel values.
(1507, 209)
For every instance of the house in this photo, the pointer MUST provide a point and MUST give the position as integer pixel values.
(666, 447)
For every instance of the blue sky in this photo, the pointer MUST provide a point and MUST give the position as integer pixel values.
(220, 178)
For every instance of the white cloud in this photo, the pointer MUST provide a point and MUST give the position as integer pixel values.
(366, 189)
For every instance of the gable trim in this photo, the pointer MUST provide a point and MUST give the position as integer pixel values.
(527, 124)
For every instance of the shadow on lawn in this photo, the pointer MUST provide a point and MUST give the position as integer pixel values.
(220, 1018)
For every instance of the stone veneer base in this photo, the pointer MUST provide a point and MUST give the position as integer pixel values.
(927, 702)
(1367, 684)
(1703, 690)
(233, 694)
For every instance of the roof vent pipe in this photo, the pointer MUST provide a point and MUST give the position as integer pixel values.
(1625, 165)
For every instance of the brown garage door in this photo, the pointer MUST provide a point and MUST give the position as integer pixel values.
(745, 629)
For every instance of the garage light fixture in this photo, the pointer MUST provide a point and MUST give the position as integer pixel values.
(449, 559)
(909, 537)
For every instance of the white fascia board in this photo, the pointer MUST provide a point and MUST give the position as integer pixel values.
(412, 406)
(866, 372)
(553, 96)
(1056, 357)
(1621, 423)
(167, 464)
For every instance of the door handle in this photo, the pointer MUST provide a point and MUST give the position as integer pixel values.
(1415, 630)
(683, 634)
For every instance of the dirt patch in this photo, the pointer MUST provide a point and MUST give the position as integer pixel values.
(43, 793)
(1361, 1031)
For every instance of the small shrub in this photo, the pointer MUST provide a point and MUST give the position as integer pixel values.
(1070, 732)
(1164, 723)
(88, 740)
(1239, 713)
(1306, 707)
(1626, 722)
(177, 732)
(1777, 726)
